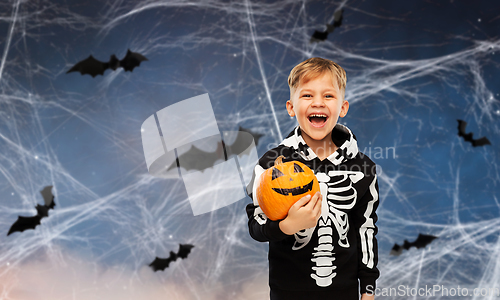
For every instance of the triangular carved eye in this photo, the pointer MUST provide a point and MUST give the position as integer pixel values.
(297, 168)
(276, 173)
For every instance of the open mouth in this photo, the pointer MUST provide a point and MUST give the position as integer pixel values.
(317, 120)
(295, 191)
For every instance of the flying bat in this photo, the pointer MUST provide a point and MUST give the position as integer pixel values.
(242, 141)
(94, 67)
(323, 35)
(421, 241)
(162, 263)
(24, 223)
(198, 159)
(256, 136)
(468, 136)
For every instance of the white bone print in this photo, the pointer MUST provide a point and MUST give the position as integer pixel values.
(348, 199)
(323, 257)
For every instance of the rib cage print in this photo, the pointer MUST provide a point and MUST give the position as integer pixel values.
(339, 196)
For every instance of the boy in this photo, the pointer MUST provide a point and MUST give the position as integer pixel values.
(327, 242)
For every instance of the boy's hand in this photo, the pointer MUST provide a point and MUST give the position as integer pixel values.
(367, 297)
(302, 215)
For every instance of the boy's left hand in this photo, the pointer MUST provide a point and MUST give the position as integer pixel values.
(367, 297)
(302, 215)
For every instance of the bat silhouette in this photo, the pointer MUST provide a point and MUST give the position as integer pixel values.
(256, 136)
(24, 223)
(468, 136)
(162, 263)
(198, 159)
(421, 241)
(95, 67)
(323, 35)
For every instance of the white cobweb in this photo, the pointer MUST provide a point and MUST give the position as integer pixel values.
(82, 135)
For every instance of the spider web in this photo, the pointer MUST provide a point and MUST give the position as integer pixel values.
(412, 72)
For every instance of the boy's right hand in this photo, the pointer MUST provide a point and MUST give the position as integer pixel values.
(302, 215)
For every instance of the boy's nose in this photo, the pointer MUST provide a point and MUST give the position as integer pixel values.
(318, 101)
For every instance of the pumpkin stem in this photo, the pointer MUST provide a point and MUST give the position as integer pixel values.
(279, 160)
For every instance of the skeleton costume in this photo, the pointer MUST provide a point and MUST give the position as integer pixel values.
(330, 258)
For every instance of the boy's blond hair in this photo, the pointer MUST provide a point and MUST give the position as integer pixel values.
(314, 67)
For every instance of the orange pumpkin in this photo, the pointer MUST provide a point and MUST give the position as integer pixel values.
(284, 184)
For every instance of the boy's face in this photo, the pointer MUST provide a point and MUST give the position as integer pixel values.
(317, 105)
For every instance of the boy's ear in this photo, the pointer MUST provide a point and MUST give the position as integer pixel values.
(289, 108)
(344, 108)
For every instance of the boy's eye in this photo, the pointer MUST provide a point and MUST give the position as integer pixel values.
(307, 95)
(329, 96)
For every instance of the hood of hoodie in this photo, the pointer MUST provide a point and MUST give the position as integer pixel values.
(341, 136)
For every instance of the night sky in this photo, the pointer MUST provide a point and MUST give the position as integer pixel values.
(413, 68)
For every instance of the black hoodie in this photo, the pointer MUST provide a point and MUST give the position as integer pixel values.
(342, 248)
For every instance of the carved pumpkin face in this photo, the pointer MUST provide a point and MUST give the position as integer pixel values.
(284, 184)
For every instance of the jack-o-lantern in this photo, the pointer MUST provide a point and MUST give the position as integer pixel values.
(284, 184)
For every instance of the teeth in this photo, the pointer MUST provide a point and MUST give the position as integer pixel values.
(317, 115)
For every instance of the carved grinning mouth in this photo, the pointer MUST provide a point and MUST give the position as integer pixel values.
(295, 191)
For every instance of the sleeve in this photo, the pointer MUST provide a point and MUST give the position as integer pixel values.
(365, 218)
(260, 227)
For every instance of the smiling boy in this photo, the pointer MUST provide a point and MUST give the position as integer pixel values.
(325, 248)
(317, 104)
